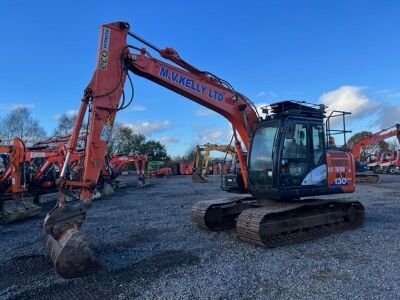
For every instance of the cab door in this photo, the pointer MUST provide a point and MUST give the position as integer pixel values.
(302, 162)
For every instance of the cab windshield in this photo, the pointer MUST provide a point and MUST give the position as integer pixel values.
(262, 147)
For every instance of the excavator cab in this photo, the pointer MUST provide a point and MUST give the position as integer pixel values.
(287, 157)
(288, 165)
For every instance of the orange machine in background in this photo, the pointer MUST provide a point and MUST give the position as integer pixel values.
(16, 203)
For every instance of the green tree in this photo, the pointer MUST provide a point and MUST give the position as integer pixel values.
(370, 149)
(154, 150)
(125, 141)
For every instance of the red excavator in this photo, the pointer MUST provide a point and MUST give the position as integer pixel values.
(15, 201)
(388, 162)
(113, 168)
(287, 157)
(357, 147)
(45, 164)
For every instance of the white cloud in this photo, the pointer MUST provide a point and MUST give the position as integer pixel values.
(169, 140)
(270, 94)
(353, 99)
(260, 94)
(259, 107)
(206, 135)
(348, 98)
(383, 91)
(273, 94)
(137, 107)
(389, 115)
(202, 112)
(12, 106)
(394, 95)
(71, 112)
(148, 127)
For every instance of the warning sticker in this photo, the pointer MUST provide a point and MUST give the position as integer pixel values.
(105, 133)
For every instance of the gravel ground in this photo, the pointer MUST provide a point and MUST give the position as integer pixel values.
(151, 250)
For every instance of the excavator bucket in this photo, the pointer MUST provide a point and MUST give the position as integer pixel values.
(143, 182)
(108, 189)
(19, 209)
(66, 245)
(196, 177)
(71, 254)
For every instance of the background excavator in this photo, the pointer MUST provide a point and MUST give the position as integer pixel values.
(200, 173)
(388, 161)
(287, 158)
(15, 201)
(358, 146)
(112, 168)
(44, 165)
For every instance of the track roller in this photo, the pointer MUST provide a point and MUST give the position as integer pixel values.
(286, 223)
(220, 214)
(367, 178)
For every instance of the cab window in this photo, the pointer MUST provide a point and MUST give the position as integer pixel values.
(295, 144)
(317, 132)
(262, 147)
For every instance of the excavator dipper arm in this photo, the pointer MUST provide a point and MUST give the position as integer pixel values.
(66, 245)
(375, 138)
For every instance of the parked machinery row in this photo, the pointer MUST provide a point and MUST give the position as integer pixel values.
(28, 172)
(386, 162)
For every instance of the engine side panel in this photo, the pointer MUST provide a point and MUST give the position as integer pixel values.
(341, 170)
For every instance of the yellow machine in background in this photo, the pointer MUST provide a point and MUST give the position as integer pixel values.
(199, 173)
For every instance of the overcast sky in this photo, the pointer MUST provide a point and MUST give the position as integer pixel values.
(342, 53)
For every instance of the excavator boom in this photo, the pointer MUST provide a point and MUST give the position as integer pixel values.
(375, 138)
(103, 95)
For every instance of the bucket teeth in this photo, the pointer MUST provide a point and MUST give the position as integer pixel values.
(198, 178)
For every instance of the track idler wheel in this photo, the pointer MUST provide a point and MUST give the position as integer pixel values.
(66, 245)
(196, 177)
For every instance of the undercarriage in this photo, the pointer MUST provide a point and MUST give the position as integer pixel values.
(271, 223)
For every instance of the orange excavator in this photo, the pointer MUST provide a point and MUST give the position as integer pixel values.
(113, 168)
(357, 147)
(15, 201)
(42, 160)
(45, 163)
(287, 157)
